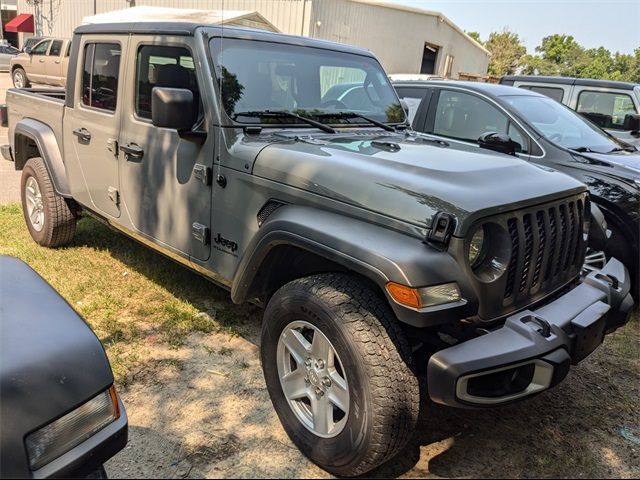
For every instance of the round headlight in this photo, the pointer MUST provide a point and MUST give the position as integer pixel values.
(476, 247)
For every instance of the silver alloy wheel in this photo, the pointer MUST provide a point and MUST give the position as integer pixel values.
(18, 79)
(35, 207)
(313, 379)
(593, 261)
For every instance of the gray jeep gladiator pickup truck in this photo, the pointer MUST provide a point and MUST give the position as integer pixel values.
(381, 255)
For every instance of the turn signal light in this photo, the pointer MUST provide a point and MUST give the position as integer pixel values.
(425, 296)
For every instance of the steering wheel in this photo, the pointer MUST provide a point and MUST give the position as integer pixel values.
(555, 137)
(333, 103)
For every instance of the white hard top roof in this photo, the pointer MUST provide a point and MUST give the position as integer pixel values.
(244, 18)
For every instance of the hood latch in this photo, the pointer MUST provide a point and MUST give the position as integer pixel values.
(441, 230)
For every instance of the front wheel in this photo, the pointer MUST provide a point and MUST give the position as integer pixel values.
(339, 372)
(20, 80)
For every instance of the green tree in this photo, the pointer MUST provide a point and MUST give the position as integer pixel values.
(506, 50)
(475, 36)
(562, 51)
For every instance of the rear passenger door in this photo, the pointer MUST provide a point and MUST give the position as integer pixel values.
(167, 185)
(462, 116)
(92, 127)
(53, 62)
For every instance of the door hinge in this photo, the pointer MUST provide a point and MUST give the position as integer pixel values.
(202, 173)
(112, 146)
(200, 233)
(114, 195)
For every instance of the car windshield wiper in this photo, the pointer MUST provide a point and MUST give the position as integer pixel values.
(630, 148)
(284, 113)
(347, 115)
(583, 150)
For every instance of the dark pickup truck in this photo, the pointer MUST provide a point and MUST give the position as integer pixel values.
(378, 253)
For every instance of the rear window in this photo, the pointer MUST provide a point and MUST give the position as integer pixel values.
(552, 92)
(56, 48)
(100, 75)
(605, 109)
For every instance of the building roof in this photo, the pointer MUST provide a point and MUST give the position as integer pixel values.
(240, 18)
(423, 11)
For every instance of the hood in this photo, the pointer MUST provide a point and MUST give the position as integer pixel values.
(624, 163)
(410, 178)
(50, 360)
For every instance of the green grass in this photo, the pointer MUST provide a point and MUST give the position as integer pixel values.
(125, 291)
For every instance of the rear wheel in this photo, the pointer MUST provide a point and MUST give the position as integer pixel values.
(20, 80)
(50, 218)
(339, 372)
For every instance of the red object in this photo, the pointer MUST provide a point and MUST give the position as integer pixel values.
(21, 23)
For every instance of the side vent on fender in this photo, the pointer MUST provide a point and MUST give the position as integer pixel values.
(267, 209)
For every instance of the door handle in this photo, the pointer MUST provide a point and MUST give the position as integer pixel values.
(83, 134)
(57, 61)
(41, 61)
(132, 151)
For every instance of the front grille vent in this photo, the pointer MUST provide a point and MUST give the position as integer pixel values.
(545, 243)
(267, 209)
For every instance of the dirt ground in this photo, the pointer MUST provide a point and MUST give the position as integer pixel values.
(201, 410)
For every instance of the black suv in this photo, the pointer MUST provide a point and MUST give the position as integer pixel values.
(536, 128)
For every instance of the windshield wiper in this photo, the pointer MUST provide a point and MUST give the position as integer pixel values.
(347, 115)
(583, 150)
(630, 148)
(284, 113)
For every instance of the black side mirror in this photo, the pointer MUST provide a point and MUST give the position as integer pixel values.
(172, 108)
(631, 122)
(499, 142)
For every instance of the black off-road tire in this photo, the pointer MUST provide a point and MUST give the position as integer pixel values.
(60, 214)
(383, 388)
(20, 71)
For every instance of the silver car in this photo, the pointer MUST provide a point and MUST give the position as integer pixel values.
(7, 52)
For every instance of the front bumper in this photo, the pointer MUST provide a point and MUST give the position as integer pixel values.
(533, 351)
(5, 150)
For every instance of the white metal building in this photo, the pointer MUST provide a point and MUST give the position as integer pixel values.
(405, 39)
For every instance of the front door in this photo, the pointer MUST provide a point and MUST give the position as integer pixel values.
(93, 126)
(166, 183)
(37, 58)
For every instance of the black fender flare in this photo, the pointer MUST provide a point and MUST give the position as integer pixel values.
(380, 254)
(47, 144)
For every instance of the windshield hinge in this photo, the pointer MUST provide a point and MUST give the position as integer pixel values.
(441, 229)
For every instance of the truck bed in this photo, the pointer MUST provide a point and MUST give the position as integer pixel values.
(46, 105)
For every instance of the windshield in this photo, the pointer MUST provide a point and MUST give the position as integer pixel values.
(262, 76)
(561, 125)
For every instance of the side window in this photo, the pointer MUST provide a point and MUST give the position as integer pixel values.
(413, 98)
(41, 48)
(466, 117)
(552, 92)
(56, 48)
(161, 66)
(100, 75)
(605, 109)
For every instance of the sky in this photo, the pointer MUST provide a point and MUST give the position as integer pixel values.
(613, 24)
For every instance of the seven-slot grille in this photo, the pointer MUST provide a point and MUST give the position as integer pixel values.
(547, 248)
